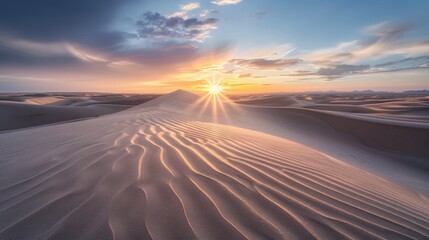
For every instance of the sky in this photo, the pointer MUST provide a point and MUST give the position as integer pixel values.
(247, 46)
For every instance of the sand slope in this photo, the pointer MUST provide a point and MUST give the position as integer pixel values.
(391, 145)
(151, 173)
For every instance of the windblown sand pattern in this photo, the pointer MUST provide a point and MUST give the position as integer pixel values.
(160, 175)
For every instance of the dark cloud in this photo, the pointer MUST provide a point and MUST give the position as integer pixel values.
(52, 20)
(266, 64)
(36, 33)
(61, 34)
(155, 25)
(10, 58)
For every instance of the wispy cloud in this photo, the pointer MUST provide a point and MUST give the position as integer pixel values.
(189, 6)
(341, 70)
(207, 12)
(407, 62)
(385, 39)
(185, 9)
(245, 75)
(225, 2)
(264, 63)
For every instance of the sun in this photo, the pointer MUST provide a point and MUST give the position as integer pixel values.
(215, 89)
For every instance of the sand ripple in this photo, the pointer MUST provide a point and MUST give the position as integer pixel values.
(159, 175)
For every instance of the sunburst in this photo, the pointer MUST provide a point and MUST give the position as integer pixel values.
(215, 88)
(213, 102)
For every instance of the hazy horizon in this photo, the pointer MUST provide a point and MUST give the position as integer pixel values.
(422, 91)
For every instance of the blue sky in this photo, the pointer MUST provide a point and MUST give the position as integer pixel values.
(247, 45)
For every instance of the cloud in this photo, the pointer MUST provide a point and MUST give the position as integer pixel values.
(249, 75)
(156, 26)
(232, 71)
(265, 64)
(207, 12)
(407, 62)
(335, 71)
(245, 75)
(384, 39)
(388, 30)
(172, 54)
(225, 2)
(190, 6)
(18, 53)
(75, 42)
(79, 21)
(51, 34)
(124, 70)
(184, 9)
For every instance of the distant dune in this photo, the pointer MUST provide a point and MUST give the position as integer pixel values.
(175, 167)
(22, 111)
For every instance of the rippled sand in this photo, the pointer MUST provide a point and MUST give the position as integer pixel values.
(157, 174)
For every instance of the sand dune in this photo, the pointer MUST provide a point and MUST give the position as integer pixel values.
(29, 110)
(161, 171)
(17, 115)
(285, 101)
(391, 145)
(44, 100)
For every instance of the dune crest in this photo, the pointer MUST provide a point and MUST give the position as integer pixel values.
(175, 101)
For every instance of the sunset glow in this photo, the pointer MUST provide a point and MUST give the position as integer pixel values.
(215, 89)
(179, 44)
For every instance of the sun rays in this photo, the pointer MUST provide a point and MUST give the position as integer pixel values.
(215, 88)
(214, 103)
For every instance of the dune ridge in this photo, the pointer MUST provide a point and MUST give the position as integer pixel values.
(153, 173)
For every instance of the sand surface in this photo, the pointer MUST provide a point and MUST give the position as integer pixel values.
(177, 168)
